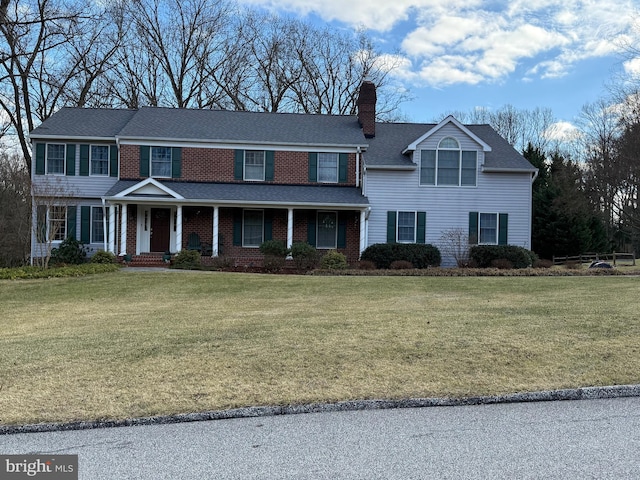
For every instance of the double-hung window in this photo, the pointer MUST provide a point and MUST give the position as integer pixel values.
(161, 162)
(327, 230)
(57, 223)
(55, 158)
(97, 226)
(252, 228)
(254, 165)
(328, 167)
(406, 227)
(99, 160)
(488, 228)
(448, 165)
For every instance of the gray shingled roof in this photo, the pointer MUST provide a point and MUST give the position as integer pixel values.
(244, 127)
(393, 138)
(155, 123)
(312, 195)
(84, 122)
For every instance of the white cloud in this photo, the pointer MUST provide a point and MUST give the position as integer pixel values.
(562, 132)
(471, 41)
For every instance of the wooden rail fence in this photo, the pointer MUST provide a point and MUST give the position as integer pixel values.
(592, 257)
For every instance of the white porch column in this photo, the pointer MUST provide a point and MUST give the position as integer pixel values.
(216, 240)
(290, 228)
(112, 229)
(178, 228)
(123, 229)
(363, 230)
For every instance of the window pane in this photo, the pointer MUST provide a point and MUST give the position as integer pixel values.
(489, 228)
(448, 167)
(254, 165)
(252, 230)
(97, 232)
(57, 223)
(428, 167)
(160, 162)
(469, 162)
(449, 142)
(327, 230)
(99, 160)
(55, 158)
(328, 167)
(406, 226)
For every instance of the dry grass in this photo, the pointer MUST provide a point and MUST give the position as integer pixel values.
(137, 344)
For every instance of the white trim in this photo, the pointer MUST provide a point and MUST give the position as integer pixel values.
(244, 166)
(450, 119)
(64, 160)
(392, 167)
(103, 175)
(142, 184)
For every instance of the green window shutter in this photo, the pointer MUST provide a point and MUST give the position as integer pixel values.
(343, 163)
(473, 228)
(503, 227)
(269, 165)
(238, 165)
(145, 152)
(40, 152)
(176, 162)
(313, 168)
(84, 160)
(311, 228)
(342, 230)
(391, 227)
(421, 231)
(85, 224)
(237, 227)
(113, 161)
(268, 225)
(71, 159)
(71, 221)
(41, 215)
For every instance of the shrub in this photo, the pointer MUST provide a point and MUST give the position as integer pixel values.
(305, 256)
(400, 265)
(272, 263)
(502, 264)
(484, 255)
(274, 248)
(187, 260)
(333, 260)
(542, 263)
(103, 257)
(222, 263)
(419, 255)
(366, 265)
(70, 252)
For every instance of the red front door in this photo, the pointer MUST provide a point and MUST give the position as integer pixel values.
(160, 229)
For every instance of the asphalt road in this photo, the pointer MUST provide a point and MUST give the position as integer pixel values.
(583, 439)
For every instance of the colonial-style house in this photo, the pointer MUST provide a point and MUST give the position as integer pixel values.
(157, 180)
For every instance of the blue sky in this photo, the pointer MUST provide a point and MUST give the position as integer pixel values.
(457, 55)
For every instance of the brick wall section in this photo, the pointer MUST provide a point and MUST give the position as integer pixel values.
(217, 165)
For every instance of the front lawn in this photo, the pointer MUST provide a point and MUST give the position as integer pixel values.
(131, 344)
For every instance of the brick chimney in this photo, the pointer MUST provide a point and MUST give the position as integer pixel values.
(367, 108)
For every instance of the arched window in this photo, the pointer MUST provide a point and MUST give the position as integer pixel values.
(448, 165)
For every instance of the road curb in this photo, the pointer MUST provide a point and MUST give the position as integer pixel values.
(585, 393)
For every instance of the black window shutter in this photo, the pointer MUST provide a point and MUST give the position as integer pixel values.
(342, 230)
(71, 159)
(71, 221)
(503, 228)
(84, 160)
(176, 162)
(391, 227)
(268, 225)
(343, 163)
(113, 160)
(313, 167)
(311, 228)
(421, 231)
(40, 152)
(473, 228)
(269, 165)
(237, 227)
(238, 165)
(144, 160)
(85, 224)
(41, 215)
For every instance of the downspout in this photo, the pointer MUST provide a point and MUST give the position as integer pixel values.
(358, 167)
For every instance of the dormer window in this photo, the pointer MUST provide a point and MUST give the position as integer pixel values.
(448, 165)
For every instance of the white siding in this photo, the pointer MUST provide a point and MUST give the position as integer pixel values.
(448, 207)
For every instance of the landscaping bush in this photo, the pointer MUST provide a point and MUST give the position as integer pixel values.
(58, 272)
(542, 263)
(502, 264)
(221, 263)
(419, 255)
(274, 248)
(272, 263)
(366, 265)
(70, 252)
(483, 255)
(187, 260)
(400, 265)
(305, 256)
(103, 257)
(333, 260)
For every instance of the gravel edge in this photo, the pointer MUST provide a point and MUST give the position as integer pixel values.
(585, 393)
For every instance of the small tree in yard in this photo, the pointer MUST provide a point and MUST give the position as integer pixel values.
(455, 243)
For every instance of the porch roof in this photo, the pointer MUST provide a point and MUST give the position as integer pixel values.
(238, 194)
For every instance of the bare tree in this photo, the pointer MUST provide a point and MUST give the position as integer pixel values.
(15, 210)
